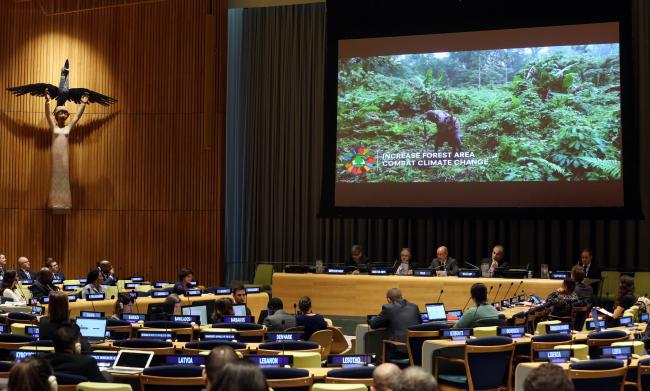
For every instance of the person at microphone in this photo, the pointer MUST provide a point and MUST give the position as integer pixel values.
(443, 261)
(93, 284)
(10, 289)
(483, 309)
(405, 267)
(357, 259)
(497, 260)
(43, 284)
(185, 277)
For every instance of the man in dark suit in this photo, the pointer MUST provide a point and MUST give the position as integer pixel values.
(497, 261)
(357, 259)
(278, 319)
(592, 271)
(67, 357)
(55, 269)
(396, 317)
(240, 296)
(24, 269)
(106, 269)
(43, 285)
(444, 262)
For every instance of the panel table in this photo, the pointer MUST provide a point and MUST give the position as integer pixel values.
(361, 295)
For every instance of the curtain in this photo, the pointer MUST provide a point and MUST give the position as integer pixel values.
(281, 121)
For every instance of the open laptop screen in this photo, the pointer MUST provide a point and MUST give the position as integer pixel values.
(132, 359)
(92, 327)
(436, 312)
(239, 309)
(200, 310)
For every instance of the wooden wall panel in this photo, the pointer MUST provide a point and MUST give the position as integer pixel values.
(146, 186)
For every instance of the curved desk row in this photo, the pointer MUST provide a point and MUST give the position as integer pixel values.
(361, 295)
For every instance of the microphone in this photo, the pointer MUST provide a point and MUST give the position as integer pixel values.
(506, 295)
(439, 296)
(496, 294)
(394, 268)
(295, 311)
(472, 265)
(518, 286)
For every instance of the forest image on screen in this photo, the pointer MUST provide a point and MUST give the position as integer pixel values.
(529, 114)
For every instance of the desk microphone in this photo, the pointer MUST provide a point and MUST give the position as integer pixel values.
(283, 328)
(394, 268)
(518, 286)
(439, 296)
(496, 294)
(506, 295)
(472, 265)
(295, 311)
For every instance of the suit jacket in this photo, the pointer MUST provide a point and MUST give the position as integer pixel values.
(39, 289)
(502, 265)
(26, 275)
(593, 272)
(396, 318)
(75, 364)
(274, 322)
(109, 279)
(59, 276)
(363, 262)
(451, 266)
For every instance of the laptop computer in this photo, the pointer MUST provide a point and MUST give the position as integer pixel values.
(131, 361)
(94, 329)
(436, 312)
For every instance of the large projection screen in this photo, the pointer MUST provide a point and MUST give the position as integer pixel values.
(527, 117)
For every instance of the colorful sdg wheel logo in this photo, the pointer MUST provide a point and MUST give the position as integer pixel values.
(359, 160)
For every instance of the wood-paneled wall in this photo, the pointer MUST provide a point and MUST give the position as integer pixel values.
(146, 173)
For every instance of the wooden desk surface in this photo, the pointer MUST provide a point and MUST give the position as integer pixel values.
(360, 295)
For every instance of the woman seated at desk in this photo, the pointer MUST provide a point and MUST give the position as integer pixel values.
(563, 299)
(94, 283)
(10, 290)
(626, 297)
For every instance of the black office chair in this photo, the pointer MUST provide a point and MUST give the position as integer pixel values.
(172, 377)
(601, 375)
(288, 379)
(604, 338)
(643, 374)
(269, 347)
(158, 347)
(488, 322)
(488, 365)
(195, 347)
(248, 332)
(417, 335)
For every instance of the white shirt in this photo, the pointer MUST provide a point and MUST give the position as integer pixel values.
(14, 295)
